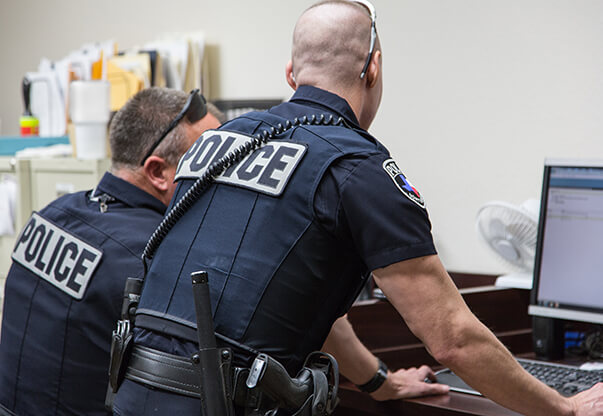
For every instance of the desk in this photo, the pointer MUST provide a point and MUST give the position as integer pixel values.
(383, 331)
(354, 403)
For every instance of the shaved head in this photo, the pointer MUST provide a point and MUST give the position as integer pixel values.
(331, 43)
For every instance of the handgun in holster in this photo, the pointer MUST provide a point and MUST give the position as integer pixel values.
(313, 392)
(268, 385)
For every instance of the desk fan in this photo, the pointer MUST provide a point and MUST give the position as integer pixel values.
(511, 232)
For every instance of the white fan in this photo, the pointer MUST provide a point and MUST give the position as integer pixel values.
(510, 231)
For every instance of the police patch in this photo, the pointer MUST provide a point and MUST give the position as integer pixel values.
(266, 170)
(402, 183)
(56, 255)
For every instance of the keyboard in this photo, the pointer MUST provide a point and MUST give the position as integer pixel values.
(567, 380)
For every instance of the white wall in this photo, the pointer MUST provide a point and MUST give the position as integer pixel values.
(477, 92)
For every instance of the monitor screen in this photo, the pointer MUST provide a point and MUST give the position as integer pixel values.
(568, 267)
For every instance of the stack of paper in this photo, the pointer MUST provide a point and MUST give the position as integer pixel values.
(174, 60)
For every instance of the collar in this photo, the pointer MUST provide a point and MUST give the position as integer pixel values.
(128, 194)
(328, 100)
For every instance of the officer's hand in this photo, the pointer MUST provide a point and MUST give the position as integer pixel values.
(589, 402)
(403, 384)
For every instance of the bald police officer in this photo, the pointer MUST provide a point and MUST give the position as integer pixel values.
(289, 233)
(64, 290)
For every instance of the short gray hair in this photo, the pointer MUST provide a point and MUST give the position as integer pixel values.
(138, 124)
(216, 112)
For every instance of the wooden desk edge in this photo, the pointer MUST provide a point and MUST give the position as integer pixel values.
(360, 404)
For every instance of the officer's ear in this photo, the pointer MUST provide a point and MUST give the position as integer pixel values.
(289, 75)
(374, 69)
(158, 173)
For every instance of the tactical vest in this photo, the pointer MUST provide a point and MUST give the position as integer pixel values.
(63, 296)
(267, 258)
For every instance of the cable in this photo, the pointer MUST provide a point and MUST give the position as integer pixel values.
(217, 168)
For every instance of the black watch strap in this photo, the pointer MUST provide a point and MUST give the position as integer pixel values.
(377, 380)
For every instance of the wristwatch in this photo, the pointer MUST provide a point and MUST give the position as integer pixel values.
(377, 380)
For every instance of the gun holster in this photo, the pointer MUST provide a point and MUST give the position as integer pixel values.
(312, 393)
(324, 372)
(122, 337)
(121, 346)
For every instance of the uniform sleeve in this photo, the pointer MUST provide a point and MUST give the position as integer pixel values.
(368, 204)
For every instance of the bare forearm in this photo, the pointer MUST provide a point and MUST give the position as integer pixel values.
(359, 366)
(423, 293)
(355, 361)
(485, 364)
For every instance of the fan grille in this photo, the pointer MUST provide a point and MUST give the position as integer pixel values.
(510, 231)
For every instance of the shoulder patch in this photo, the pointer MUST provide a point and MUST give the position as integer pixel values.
(56, 256)
(266, 170)
(403, 183)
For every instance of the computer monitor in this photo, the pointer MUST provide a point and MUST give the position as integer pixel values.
(568, 266)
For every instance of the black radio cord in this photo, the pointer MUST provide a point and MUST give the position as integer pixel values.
(216, 169)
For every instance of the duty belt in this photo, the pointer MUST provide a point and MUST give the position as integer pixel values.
(176, 374)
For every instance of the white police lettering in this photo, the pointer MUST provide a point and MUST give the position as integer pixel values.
(56, 256)
(266, 170)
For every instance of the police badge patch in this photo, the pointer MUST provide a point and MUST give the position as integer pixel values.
(402, 183)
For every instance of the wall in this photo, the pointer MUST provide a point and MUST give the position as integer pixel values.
(478, 92)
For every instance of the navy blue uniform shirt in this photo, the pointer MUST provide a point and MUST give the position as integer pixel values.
(63, 297)
(362, 205)
(282, 265)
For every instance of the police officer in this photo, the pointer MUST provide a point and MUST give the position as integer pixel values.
(64, 290)
(289, 233)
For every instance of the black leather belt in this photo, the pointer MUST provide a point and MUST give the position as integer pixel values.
(162, 370)
(176, 374)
